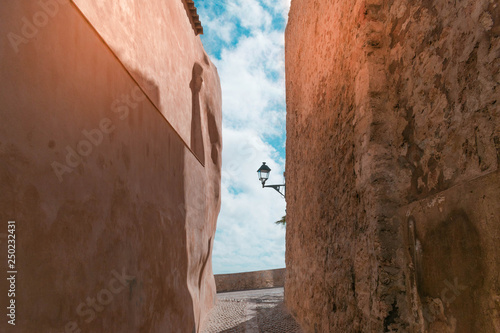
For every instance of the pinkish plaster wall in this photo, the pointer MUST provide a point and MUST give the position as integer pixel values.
(133, 30)
(130, 219)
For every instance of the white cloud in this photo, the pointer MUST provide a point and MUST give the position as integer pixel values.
(250, 61)
(247, 238)
(225, 30)
(251, 14)
(248, 86)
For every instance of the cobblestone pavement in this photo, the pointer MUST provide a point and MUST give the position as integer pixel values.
(251, 311)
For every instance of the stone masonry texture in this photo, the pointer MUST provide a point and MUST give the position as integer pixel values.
(110, 157)
(250, 280)
(393, 147)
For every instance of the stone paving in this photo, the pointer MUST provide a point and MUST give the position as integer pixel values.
(251, 311)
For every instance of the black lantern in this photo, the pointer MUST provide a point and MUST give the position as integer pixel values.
(263, 173)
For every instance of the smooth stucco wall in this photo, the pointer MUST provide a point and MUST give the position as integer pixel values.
(110, 201)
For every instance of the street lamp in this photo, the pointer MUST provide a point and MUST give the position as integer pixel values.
(263, 173)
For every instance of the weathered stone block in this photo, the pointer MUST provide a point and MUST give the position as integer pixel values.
(389, 104)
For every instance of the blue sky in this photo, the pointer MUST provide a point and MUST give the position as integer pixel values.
(245, 40)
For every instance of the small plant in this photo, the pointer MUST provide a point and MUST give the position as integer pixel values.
(282, 221)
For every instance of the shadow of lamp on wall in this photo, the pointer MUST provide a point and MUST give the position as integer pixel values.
(263, 173)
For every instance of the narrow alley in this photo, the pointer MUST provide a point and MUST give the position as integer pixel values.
(251, 311)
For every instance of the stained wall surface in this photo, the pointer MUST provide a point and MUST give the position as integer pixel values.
(115, 213)
(393, 145)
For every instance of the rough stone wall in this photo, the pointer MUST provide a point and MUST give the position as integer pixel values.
(115, 211)
(443, 75)
(451, 257)
(326, 225)
(250, 280)
(391, 105)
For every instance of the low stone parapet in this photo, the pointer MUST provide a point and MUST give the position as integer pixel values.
(250, 280)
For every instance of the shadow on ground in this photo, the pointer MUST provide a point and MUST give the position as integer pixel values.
(262, 313)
